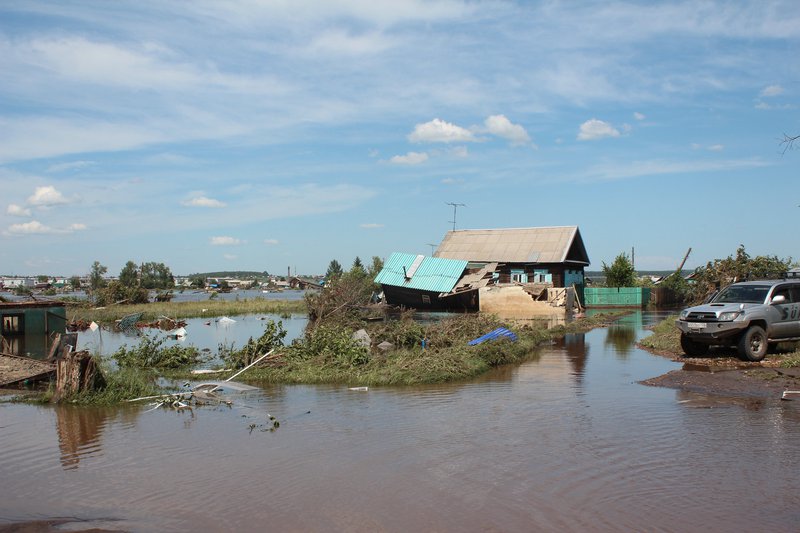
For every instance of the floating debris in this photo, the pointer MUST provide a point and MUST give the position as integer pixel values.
(790, 394)
(359, 389)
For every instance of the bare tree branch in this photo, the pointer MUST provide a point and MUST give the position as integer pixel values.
(788, 142)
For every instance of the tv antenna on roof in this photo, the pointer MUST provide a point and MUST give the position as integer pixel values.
(455, 207)
(432, 247)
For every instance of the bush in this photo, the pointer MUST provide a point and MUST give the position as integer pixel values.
(332, 344)
(271, 338)
(117, 292)
(150, 353)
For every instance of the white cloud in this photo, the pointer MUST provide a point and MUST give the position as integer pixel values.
(230, 257)
(502, 127)
(72, 165)
(371, 226)
(203, 201)
(637, 169)
(639, 116)
(594, 129)
(772, 90)
(18, 211)
(411, 158)
(766, 106)
(46, 196)
(225, 241)
(271, 242)
(344, 43)
(34, 227)
(437, 130)
(452, 181)
(459, 151)
(716, 147)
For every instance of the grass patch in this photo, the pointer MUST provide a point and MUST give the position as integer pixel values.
(791, 360)
(665, 338)
(119, 385)
(328, 355)
(205, 308)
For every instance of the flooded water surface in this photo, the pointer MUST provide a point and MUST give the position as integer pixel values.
(566, 441)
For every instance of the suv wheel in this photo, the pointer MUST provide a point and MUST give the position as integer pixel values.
(753, 344)
(692, 348)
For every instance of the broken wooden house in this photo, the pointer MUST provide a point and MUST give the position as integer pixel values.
(519, 272)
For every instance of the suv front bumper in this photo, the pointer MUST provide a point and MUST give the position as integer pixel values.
(710, 331)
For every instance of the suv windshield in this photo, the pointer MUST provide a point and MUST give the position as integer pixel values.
(755, 294)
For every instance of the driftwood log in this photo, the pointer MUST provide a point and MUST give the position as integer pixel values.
(76, 372)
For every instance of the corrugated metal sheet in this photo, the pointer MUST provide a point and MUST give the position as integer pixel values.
(433, 274)
(514, 245)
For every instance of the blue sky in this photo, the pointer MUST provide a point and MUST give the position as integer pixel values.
(263, 135)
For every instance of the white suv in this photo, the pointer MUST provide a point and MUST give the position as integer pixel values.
(752, 315)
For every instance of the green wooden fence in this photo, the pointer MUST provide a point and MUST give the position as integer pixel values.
(616, 297)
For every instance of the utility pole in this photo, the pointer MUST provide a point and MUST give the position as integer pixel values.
(432, 247)
(455, 206)
(633, 257)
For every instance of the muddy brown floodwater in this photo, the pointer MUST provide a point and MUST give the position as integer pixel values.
(568, 441)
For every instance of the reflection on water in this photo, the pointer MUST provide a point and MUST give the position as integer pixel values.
(621, 339)
(79, 431)
(576, 352)
(567, 441)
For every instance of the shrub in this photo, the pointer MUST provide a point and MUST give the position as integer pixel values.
(271, 338)
(150, 353)
(334, 345)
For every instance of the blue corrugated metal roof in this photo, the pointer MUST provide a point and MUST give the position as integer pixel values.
(434, 274)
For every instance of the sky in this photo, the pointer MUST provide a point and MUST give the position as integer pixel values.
(279, 135)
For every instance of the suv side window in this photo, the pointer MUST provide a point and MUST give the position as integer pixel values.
(786, 293)
(795, 292)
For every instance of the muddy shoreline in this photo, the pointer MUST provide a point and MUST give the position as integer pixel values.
(723, 374)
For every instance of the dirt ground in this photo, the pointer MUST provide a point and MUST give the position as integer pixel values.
(723, 374)
(13, 368)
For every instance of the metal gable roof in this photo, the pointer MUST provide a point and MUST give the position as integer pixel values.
(514, 245)
(432, 273)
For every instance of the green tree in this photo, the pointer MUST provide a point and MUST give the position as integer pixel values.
(156, 276)
(358, 268)
(116, 292)
(620, 273)
(334, 270)
(42, 278)
(129, 275)
(376, 267)
(197, 282)
(75, 281)
(96, 280)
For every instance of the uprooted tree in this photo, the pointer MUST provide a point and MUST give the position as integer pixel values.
(342, 293)
(740, 267)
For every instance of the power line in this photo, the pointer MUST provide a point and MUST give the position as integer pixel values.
(455, 207)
